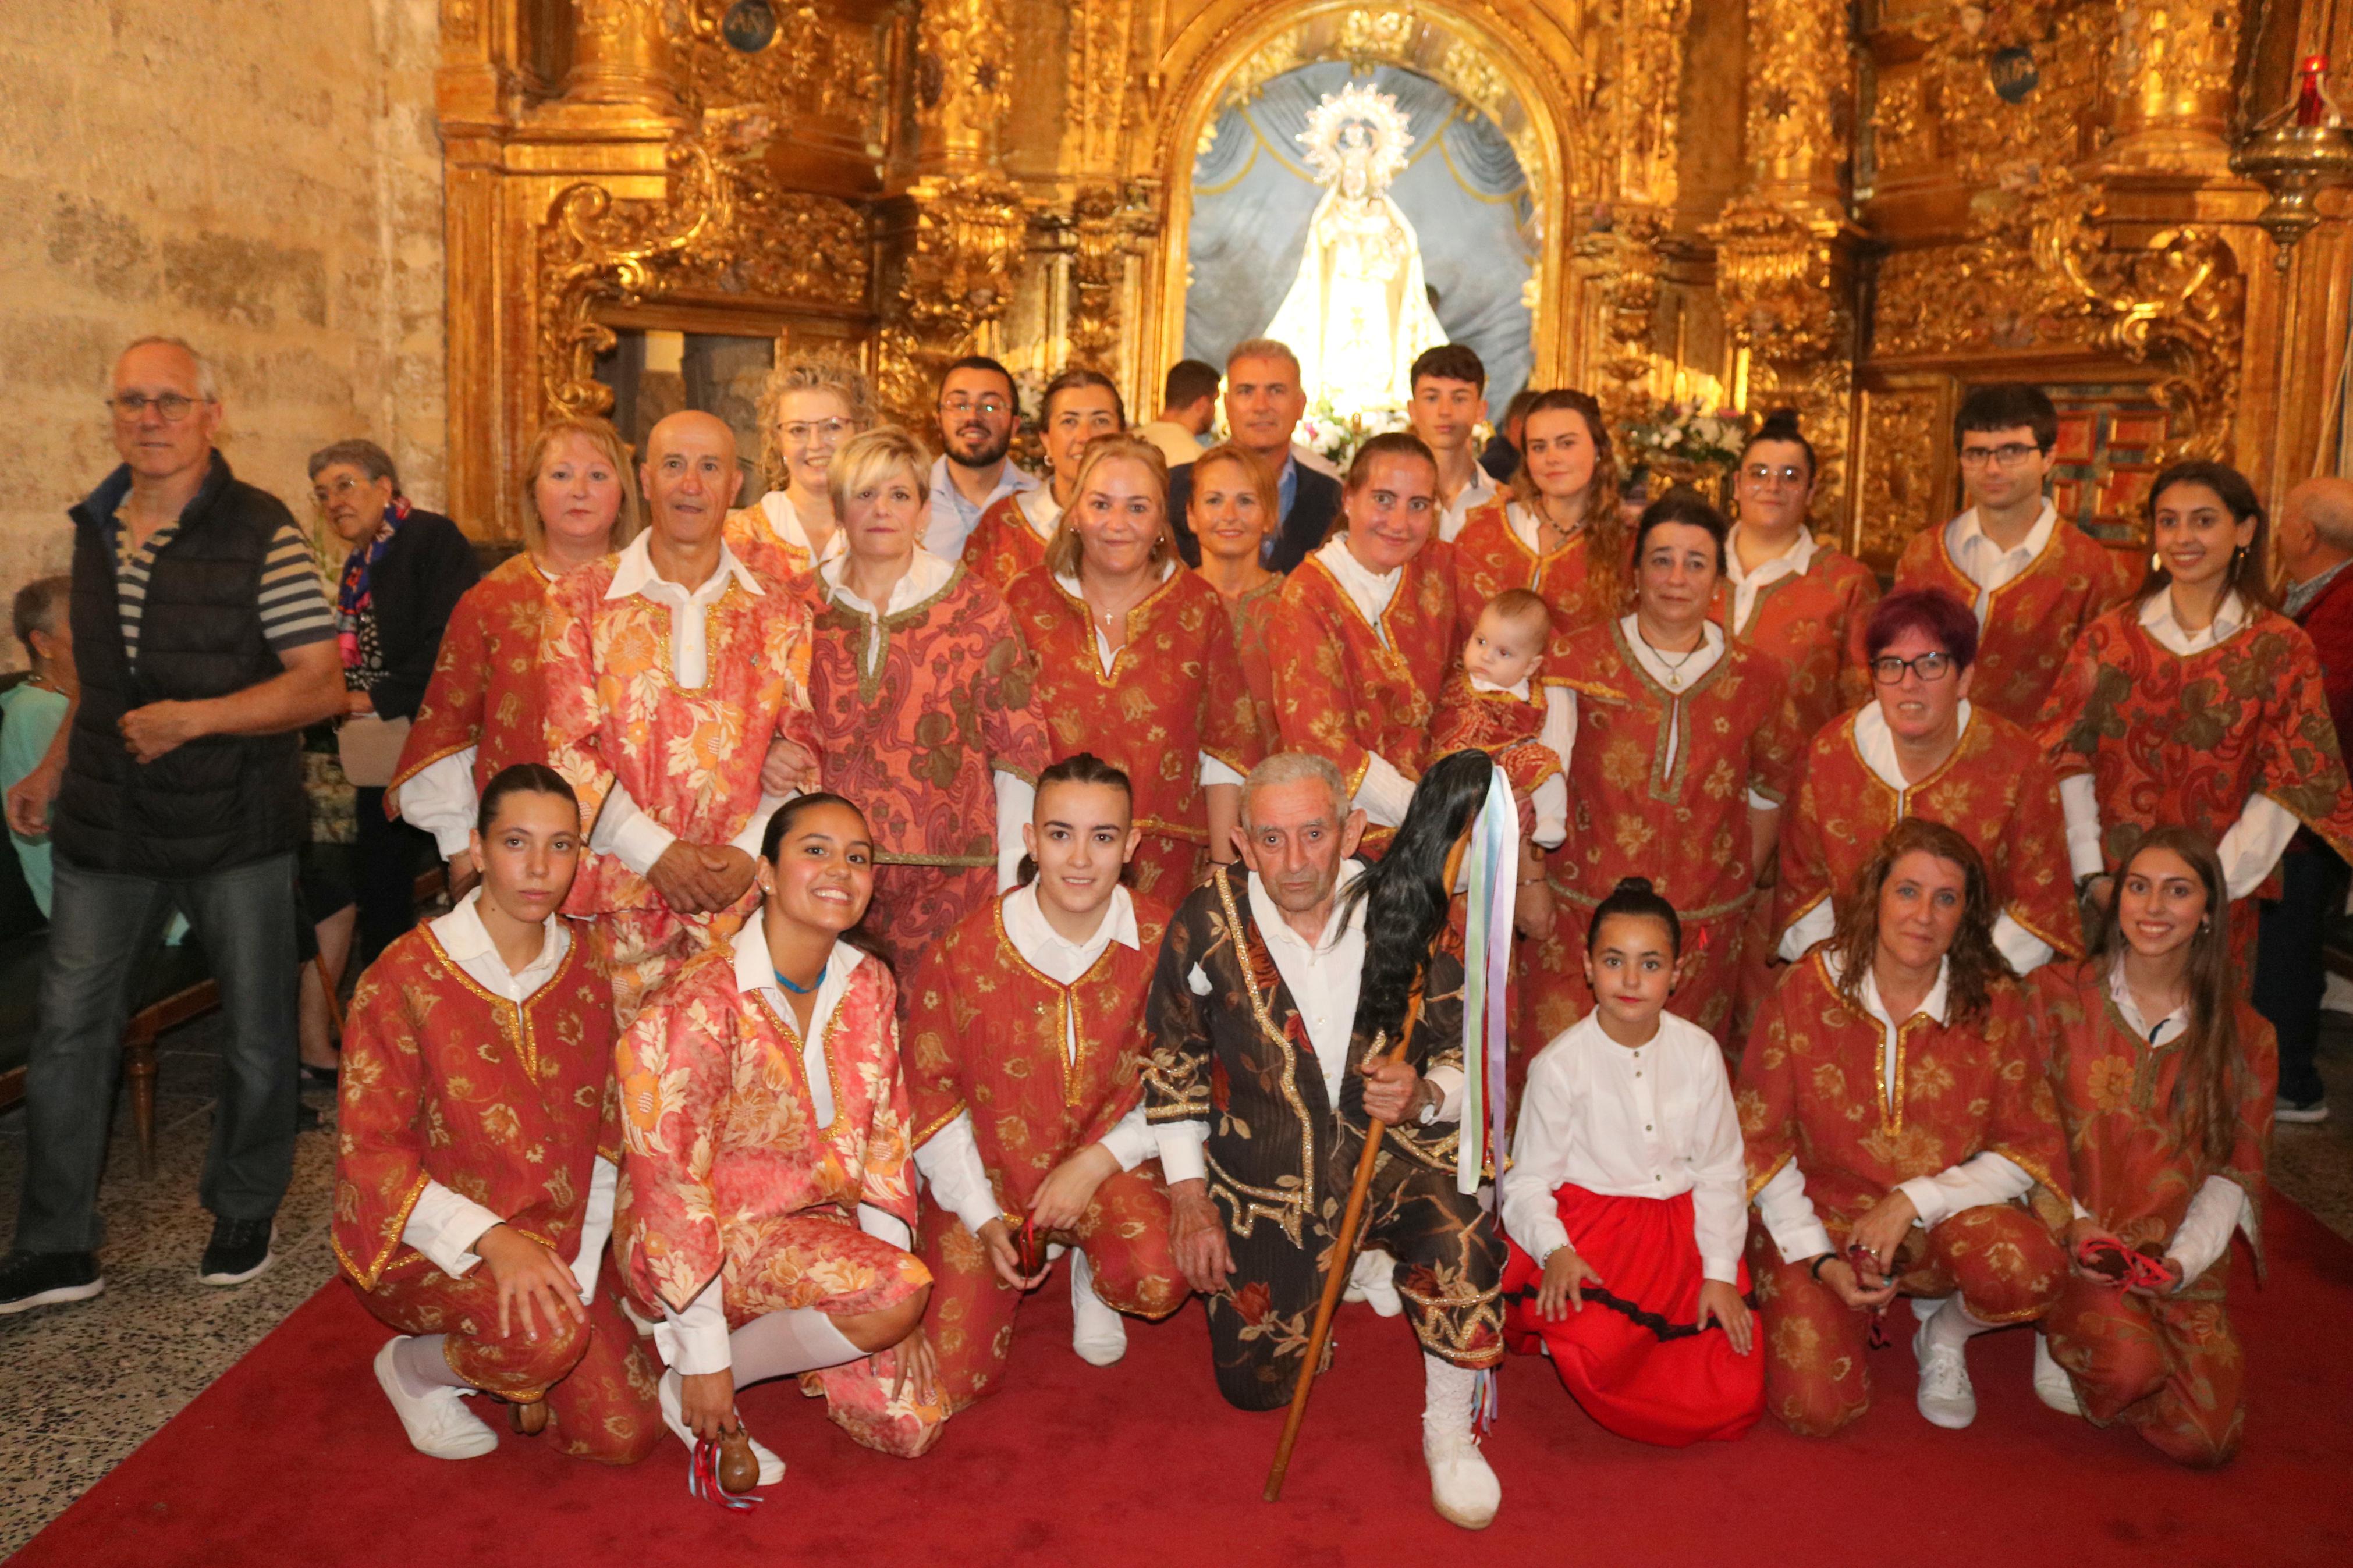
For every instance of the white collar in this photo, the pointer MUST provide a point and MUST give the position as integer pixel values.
(1875, 741)
(634, 572)
(925, 575)
(1069, 581)
(784, 523)
(1933, 1004)
(1519, 688)
(1010, 477)
(2173, 1025)
(757, 971)
(1371, 591)
(464, 937)
(1027, 924)
(1968, 530)
(2157, 619)
(1039, 509)
(1673, 677)
(1269, 914)
(1790, 563)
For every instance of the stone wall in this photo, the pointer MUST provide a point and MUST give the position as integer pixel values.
(262, 177)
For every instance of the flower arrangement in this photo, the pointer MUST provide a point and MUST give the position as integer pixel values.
(1688, 443)
(1337, 435)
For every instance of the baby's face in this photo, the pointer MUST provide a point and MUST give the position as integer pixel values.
(1504, 650)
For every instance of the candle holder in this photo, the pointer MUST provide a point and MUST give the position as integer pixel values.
(2302, 149)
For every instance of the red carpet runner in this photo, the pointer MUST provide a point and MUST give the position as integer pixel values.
(292, 1457)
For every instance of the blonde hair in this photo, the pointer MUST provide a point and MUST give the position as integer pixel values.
(1065, 550)
(807, 373)
(608, 441)
(1259, 478)
(863, 460)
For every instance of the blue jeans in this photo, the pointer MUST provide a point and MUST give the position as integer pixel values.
(102, 928)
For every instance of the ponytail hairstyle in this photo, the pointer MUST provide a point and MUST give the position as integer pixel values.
(1781, 424)
(772, 844)
(1078, 768)
(1635, 898)
(2214, 1071)
(1405, 893)
(1605, 548)
(522, 778)
(1973, 964)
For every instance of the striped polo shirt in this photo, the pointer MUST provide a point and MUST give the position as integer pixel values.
(294, 608)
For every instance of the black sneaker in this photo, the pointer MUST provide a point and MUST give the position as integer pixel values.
(239, 1250)
(30, 1279)
(2302, 1111)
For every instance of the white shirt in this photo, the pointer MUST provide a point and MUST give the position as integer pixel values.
(1874, 742)
(2220, 1204)
(439, 798)
(951, 519)
(1654, 1121)
(1986, 564)
(1384, 794)
(1560, 737)
(950, 1159)
(785, 521)
(1456, 513)
(1982, 1178)
(1747, 585)
(444, 1225)
(1040, 511)
(2250, 846)
(695, 1340)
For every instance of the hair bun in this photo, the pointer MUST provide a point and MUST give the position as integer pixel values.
(1633, 885)
(1780, 425)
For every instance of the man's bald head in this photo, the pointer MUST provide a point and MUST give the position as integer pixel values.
(2316, 528)
(689, 475)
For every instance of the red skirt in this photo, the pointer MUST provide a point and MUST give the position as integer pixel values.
(1633, 1357)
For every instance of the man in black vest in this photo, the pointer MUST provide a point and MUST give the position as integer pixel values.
(1263, 402)
(204, 642)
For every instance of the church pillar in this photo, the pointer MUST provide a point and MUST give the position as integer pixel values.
(2171, 78)
(1785, 247)
(620, 58)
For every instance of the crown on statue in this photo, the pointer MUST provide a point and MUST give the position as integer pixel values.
(1383, 123)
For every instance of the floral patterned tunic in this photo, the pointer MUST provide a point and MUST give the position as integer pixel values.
(486, 691)
(2032, 620)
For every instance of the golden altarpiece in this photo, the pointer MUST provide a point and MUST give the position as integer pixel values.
(1858, 209)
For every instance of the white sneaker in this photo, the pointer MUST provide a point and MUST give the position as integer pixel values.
(1462, 1489)
(1097, 1333)
(1374, 1279)
(439, 1424)
(1947, 1397)
(2051, 1384)
(666, 1395)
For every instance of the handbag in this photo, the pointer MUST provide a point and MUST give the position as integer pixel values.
(369, 747)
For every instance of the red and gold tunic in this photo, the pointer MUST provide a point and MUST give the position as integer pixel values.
(690, 758)
(486, 691)
(987, 1033)
(756, 542)
(1813, 1088)
(1345, 690)
(724, 1140)
(1490, 556)
(1175, 693)
(913, 731)
(1996, 790)
(2033, 619)
(506, 1105)
(1505, 727)
(2170, 739)
(2135, 1166)
(1812, 621)
(1252, 618)
(1003, 545)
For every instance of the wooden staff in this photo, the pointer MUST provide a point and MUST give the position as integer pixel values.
(1344, 1250)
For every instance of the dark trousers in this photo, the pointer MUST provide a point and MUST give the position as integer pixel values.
(102, 929)
(2289, 974)
(386, 857)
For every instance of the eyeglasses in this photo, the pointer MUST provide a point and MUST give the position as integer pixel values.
(1888, 669)
(989, 408)
(827, 430)
(2008, 455)
(1764, 476)
(171, 406)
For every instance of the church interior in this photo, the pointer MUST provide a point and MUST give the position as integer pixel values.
(433, 224)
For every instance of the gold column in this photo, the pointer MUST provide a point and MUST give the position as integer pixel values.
(622, 59)
(2171, 78)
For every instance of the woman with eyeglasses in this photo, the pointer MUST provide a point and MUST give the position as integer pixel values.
(1685, 746)
(2198, 703)
(1081, 405)
(1799, 600)
(1561, 533)
(808, 407)
(1923, 749)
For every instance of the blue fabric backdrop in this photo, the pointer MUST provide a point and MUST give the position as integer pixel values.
(1464, 194)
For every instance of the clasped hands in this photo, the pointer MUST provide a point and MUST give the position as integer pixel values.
(1867, 1282)
(1061, 1202)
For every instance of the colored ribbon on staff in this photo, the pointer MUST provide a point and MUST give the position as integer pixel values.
(1494, 864)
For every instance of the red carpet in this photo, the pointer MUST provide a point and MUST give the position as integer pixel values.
(293, 1458)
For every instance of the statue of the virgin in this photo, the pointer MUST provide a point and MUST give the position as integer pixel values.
(1358, 314)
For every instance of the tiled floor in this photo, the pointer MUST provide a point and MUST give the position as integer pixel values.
(85, 1384)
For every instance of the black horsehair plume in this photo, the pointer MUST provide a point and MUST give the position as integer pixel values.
(1406, 894)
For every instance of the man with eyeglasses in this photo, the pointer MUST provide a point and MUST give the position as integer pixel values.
(2033, 583)
(977, 410)
(204, 643)
(1925, 749)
